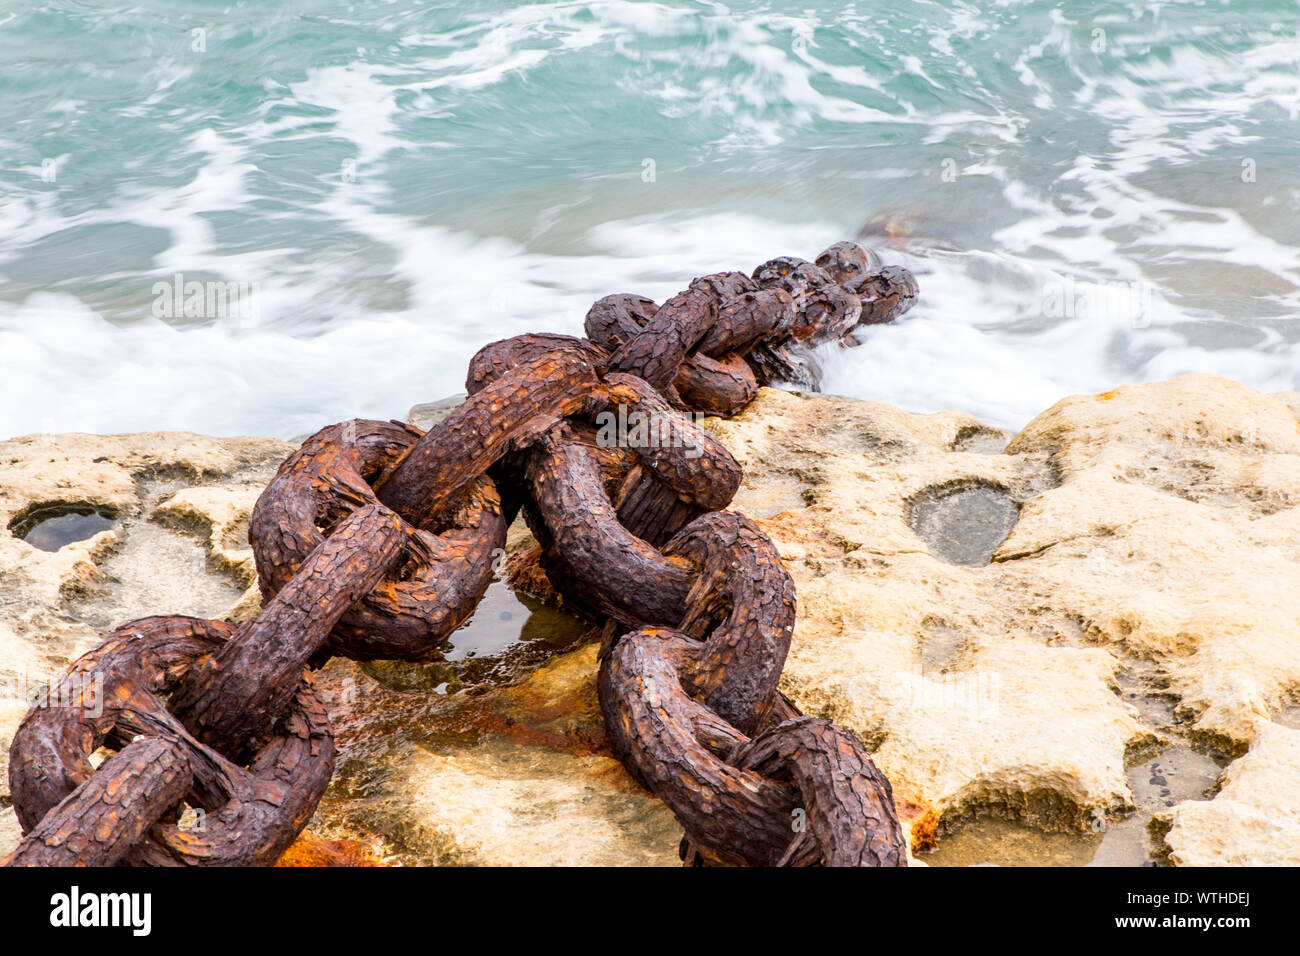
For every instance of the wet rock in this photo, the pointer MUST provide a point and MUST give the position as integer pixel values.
(312, 850)
(993, 841)
(502, 804)
(507, 636)
(520, 775)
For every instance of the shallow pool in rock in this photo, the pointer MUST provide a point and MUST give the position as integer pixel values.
(53, 526)
(979, 440)
(964, 523)
(1175, 774)
(509, 634)
(495, 756)
(993, 841)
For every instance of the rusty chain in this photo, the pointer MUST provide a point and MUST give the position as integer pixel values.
(375, 540)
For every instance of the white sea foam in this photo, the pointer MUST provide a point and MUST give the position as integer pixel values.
(1072, 172)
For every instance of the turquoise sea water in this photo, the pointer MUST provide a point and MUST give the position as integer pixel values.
(1090, 193)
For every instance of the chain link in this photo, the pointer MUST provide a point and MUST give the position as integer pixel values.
(375, 540)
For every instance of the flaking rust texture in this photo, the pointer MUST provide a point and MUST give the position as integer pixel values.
(657, 351)
(713, 378)
(742, 607)
(253, 811)
(105, 817)
(375, 540)
(508, 414)
(446, 567)
(497, 359)
(800, 792)
(849, 816)
(686, 458)
(677, 747)
(584, 545)
(232, 700)
(716, 386)
(885, 294)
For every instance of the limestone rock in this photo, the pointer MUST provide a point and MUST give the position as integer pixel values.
(1145, 603)
(427, 414)
(1156, 558)
(516, 776)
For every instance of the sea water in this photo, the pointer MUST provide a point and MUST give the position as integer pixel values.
(1090, 194)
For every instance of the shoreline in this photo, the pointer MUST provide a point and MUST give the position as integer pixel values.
(1134, 624)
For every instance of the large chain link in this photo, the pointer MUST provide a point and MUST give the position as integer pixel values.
(375, 540)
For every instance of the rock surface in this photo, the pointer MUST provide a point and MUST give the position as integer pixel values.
(179, 547)
(1136, 631)
(518, 775)
(1148, 596)
(427, 414)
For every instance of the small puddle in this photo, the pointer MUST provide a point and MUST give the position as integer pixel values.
(963, 524)
(426, 759)
(1176, 774)
(980, 441)
(509, 634)
(1125, 843)
(51, 527)
(993, 841)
